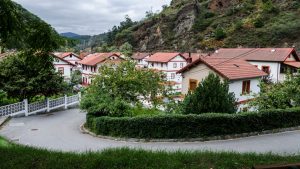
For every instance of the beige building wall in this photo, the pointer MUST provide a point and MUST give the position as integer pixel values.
(199, 72)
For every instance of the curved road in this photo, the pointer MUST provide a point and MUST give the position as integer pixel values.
(60, 131)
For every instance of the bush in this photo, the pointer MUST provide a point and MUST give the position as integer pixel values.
(212, 95)
(193, 126)
(219, 34)
(258, 23)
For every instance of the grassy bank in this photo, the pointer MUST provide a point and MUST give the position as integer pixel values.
(21, 157)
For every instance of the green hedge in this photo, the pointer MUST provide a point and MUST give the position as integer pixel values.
(193, 126)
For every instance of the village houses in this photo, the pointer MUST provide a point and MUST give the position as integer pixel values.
(169, 64)
(64, 67)
(274, 61)
(92, 62)
(243, 68)
(141, 59)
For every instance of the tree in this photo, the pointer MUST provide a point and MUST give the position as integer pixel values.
(22, 30)
(76, 77)
(278, 95)
(126, 49)
(28, 74)
(121, 86)
(211, 95)
(9, 21)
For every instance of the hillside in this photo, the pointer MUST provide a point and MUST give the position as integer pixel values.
(69, 35)
(191, 25)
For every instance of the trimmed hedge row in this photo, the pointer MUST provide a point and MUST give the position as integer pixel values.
(193, 126)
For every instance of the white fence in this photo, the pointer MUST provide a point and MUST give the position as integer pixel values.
(42, 106)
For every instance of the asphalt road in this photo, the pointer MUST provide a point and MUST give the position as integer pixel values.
(61, 131)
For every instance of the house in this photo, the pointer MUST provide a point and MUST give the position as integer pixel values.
(64, 67)
(274, 61)
(141, 59)
(243, 77)
(69, 56)
(169, 64)
(92, 62)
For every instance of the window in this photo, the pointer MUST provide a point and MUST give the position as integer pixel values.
(246, 87)
(162, 65)
(172, 75)
(193, 84)
(181, 65)
(266, 69)
(61, 70)
(174, 65)
(152, 64)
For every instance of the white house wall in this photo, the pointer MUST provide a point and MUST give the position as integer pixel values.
(236, 88)
(73, 59)
(66, 66)
(199, 73)
(274, 69)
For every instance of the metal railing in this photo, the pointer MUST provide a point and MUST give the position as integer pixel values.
(41, 106)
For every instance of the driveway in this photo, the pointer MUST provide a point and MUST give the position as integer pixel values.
(60, 131)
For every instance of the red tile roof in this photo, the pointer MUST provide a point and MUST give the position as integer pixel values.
(257, 54)
(163, 57)
(83, 54)
(231, 69)
(139, 56)
(63, 60)
(293, 64)
(65, 54)
(94, 59)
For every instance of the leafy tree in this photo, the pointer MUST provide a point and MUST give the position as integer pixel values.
(22, 30)
(76, 77)
(126, 49)
(278, 95)
(219, 34)
(117, 89)
(28, 74)
(4, 100)
(10, 24)
(211, 95)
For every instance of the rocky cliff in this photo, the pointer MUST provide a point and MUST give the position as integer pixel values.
(193, 25)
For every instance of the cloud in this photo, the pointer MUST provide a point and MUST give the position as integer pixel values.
(89, 17)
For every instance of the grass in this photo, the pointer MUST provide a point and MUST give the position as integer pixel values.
(22, 157)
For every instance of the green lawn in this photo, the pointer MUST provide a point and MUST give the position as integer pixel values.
(16, 156)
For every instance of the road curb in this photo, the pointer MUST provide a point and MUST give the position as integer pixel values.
(4, 120)
(215, 138)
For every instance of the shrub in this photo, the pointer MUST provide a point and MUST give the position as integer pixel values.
(211, 95)
(258, 23)
(219, 34)
(194, 126)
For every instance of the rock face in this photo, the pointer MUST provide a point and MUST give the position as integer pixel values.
(191, 25)
(164, 33)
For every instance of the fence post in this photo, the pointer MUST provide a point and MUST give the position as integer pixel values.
(66, 102)
(48, 105)
(79, 96)
(26, 107)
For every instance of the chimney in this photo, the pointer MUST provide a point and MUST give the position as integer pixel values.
(189, 59)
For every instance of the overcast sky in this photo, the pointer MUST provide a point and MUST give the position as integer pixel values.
(89, 17)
